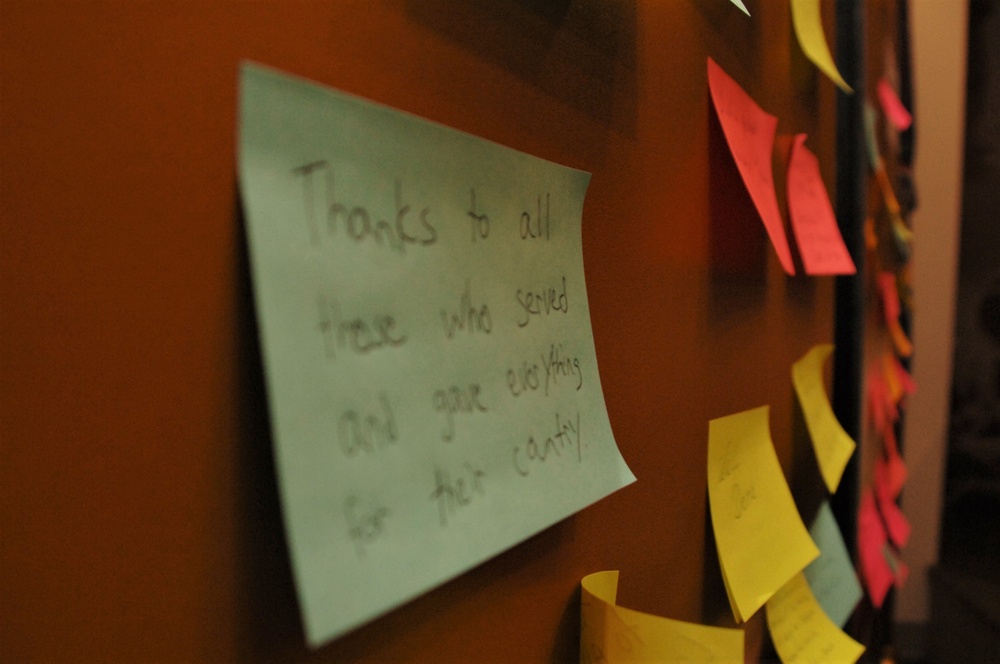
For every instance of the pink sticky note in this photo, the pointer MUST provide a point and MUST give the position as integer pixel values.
(905, 379)
(896, 522)
(882, 407)
(893, 107)
(875, 570)
(890, 473)
(815, 226)
(749, 132)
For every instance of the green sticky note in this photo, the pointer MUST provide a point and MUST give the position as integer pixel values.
(430, 366)
(831, 576)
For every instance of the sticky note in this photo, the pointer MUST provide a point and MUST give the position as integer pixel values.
(430, 369)
(802, 633)
(760, 536)
(886, 490)
(900, 570)
(897, 379)
(831, 576)
(892, 106)
(832, 445)
(814, 223)
(881, 404)
(749, 132)
(896, 524)
(871, 139)
(875, 571)
(890, 296)
(610, 634)
(742, 7)
(890, 469)
(808, 24)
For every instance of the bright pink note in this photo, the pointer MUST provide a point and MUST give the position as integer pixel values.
(893, 107)
(875, 570)
(815, 226)
(749, 132)
(896, 522)
(891, 472)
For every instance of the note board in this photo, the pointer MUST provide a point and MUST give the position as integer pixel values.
(137, 466)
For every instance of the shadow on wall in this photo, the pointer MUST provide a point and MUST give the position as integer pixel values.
(582, 52)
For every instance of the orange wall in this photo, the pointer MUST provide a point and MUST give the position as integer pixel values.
(137, 496)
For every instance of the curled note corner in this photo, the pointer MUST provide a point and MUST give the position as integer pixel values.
(610, 633)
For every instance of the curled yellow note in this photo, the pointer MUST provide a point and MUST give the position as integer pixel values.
(831, 443)
(611, 633)
(802, 633)
(760, 536)
(809, 30)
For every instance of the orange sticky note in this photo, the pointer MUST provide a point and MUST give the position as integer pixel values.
(610, 633)
(749, 132)
(809, 30)
(893, 107)
(760, 536)
(832, 445)
(813, 221)
(802, 633)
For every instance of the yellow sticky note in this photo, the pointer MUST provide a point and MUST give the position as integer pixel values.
(831, 443)
(611, 633)
(802, 633)
(760, 536)
(809, 30)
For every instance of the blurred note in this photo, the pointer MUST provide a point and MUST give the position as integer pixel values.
(871, 139)
(881, 406)
(749, 132)
(890, 469)
(891, 308)
(832, 576)
(815, 226)
(760, 536)
(426, 339)
(743, 8)
(900, 570)
(809, 29)
(875, 571)
(610, 634)
(896, 523)
(893, 107)
(833, 446)
(802, 633)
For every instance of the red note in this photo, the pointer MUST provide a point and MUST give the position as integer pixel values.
(905, 379)
(813, 221)
(896, 522)
(890, 472)
(893, 107)
(875, 570)
(749, 132)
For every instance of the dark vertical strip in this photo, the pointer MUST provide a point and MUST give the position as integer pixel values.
(851, 201)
